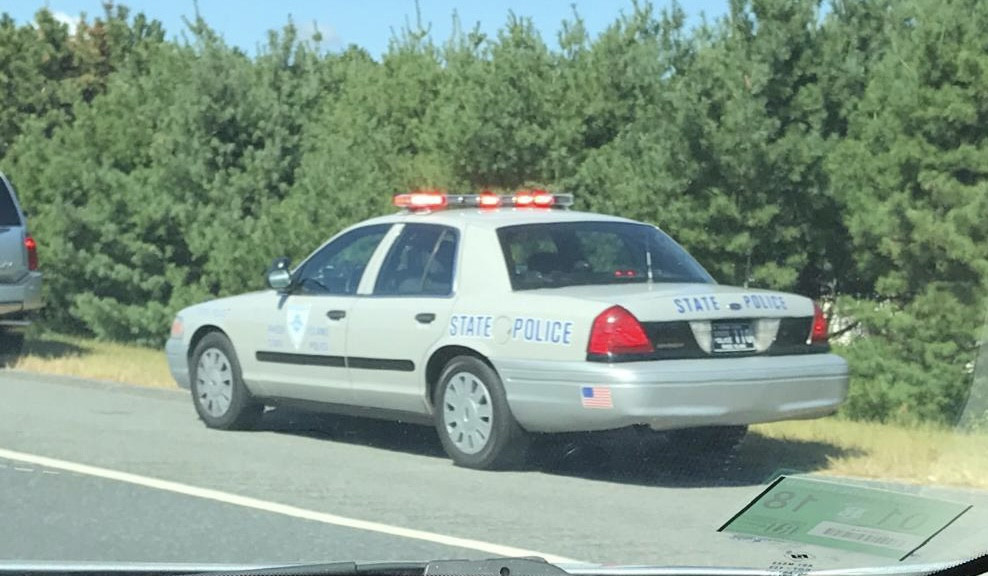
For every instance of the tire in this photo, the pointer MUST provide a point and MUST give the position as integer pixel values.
(472, 417)
(219, 394)
(11, 343)
(11, 346)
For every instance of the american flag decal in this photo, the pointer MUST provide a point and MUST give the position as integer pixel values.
(596, 397)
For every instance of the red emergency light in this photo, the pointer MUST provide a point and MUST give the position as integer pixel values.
(538, 197)
(420, 200)
(488, 199)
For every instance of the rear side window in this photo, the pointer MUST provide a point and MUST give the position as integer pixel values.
(8, 211)
(554, 255)
(419, 263)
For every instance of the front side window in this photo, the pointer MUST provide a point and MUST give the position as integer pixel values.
(420, 263)
(338, 267)
(554, 255)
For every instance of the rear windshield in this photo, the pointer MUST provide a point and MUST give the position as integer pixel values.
(560, 254)
(8, 212)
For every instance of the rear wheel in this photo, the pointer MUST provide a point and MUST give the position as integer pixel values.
(218, 391)
(473, 419)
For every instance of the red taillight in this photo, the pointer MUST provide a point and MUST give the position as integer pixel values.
(820, 329)
(617, 331)
(32, 253)
(419, 200)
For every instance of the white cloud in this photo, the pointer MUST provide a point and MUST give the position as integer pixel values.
(71, 21)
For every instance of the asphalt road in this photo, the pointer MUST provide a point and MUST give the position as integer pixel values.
(51, 515)
(94, 471)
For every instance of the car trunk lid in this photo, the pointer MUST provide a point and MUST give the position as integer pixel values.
(708, 320)
(660, 301)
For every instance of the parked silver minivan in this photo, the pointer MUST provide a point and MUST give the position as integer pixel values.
(20, 278)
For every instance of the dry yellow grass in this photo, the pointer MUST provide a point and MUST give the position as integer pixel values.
(828, 446)
(71, 356)
(924, 455)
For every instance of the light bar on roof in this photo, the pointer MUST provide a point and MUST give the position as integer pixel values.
(434, 200)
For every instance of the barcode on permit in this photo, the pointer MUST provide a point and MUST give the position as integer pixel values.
(863, 535)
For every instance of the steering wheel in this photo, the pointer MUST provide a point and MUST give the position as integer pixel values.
(310, 280)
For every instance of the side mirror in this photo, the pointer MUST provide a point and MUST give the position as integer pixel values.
(279, 275)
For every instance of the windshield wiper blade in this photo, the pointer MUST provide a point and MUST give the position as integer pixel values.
(494, 567)
(490, 567)
(333, 569)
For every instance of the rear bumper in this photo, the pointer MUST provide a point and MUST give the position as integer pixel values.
(20, 298)
(668, 394)
(178, 363)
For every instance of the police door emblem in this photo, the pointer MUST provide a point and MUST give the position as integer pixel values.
(296, 320)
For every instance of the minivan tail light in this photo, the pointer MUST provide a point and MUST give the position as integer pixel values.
(32, 253)
(616, 331)
(820, 330)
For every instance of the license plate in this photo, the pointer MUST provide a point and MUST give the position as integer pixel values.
(733, 337)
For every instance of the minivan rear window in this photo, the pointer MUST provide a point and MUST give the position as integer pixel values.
(8, 211)
(559, 254)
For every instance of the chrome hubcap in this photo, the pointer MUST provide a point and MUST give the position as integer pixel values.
(467, 412)
(214, 382)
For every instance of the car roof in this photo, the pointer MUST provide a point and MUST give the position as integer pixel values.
(496, 218)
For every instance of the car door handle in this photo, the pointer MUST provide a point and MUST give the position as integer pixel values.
(336, 314)
(425, 317)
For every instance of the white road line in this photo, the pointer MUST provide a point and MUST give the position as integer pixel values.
(276, 508)
(19, 469)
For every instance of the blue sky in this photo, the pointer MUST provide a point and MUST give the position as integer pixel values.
(367, 23)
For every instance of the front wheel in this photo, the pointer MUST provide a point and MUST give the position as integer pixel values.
(473, 419)
(218, 391)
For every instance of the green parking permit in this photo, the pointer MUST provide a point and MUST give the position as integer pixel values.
(865, 520)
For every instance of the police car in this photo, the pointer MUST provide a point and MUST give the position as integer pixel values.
(495, 317)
